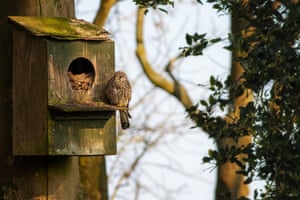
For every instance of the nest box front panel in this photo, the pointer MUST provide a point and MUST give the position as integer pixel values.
(92, 137)
(77, 74)
(78, 71)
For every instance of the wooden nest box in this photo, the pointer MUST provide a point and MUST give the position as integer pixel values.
(60, 69)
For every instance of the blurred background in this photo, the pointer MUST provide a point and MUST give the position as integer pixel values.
(160, 156)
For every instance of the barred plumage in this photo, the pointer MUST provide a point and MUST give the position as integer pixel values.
(118, 92)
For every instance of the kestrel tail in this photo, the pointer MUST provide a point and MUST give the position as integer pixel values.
(124, 118)
(118, 92)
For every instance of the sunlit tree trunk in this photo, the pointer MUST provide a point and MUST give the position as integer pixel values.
(93, 177)
(230, 185)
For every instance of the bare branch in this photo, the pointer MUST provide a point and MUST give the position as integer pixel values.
(172, 87)
(126, 174)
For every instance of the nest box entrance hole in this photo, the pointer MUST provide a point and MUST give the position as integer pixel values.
(81, 74)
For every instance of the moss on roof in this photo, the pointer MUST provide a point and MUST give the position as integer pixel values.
(61, 28)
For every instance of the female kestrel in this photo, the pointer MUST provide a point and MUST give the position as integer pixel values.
(118, 92)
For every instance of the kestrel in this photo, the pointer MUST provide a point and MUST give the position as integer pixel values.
(118, 92)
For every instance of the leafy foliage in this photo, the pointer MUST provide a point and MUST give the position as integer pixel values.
(196, 44)
(272, 72)
(155, 4)
(223, 5)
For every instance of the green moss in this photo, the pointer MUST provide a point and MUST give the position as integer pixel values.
(61, 28)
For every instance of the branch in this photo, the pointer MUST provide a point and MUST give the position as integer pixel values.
(126, 174)
(172, 87)
(103, 12)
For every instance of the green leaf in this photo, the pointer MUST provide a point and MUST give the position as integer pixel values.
(212, 153)
(212, 80)
(189, 39)
(219, 84)
(204, 103)
(215, 40)
(163, 10)
(212, 100)
(206, 159)
(199, 1)
(146, 11)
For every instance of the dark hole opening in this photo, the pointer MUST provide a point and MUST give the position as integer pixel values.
(81, 74)
(81, 65)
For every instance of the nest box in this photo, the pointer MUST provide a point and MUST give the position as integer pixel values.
(60, 69)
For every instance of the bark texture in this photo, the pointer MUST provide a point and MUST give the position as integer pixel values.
(30, 177)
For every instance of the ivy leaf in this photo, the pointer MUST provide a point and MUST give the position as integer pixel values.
(163, 10)
(189, 39)
(215, 40)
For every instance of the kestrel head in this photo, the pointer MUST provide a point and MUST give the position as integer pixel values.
(120, 76)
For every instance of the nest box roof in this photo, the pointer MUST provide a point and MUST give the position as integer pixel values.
(61, 28)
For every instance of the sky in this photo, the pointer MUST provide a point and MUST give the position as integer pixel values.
(177, 161)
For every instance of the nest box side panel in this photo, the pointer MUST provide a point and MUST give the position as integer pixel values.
(29, 94)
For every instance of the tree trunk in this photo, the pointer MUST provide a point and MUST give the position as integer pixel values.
(30, 177)
(230, 185)
(93, 177)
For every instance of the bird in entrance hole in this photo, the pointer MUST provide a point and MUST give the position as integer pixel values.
(118, 92)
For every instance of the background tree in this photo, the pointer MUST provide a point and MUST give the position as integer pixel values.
(155, 128)
(265, 48)
(229, 181)
(271, 66)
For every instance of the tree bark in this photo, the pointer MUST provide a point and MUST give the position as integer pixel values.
(230, 185)
(30, 177)
(103, 12)
(173, 86)
(93, 177)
